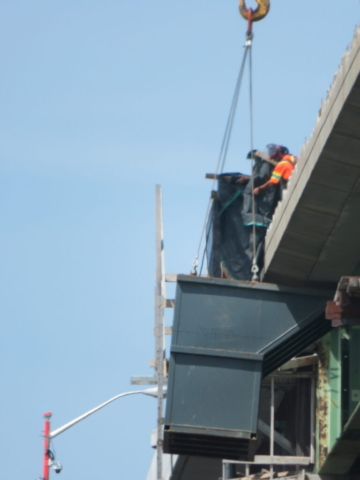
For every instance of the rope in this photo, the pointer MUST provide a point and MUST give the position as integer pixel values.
(230, 122)
(203, 256)
(254, 268)
(223, 155)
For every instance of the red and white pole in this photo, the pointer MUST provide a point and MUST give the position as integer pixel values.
(46, 466)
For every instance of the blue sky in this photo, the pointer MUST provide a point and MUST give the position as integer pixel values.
(100, 101)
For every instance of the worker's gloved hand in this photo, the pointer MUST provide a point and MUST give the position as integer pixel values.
(242, 179)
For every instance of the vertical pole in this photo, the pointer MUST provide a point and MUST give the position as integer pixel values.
(323, 401)
(159, 326)
(272, 425)
(230, 470)
(301, 403)
(312, 420)
(46, 469)
(224, 476)
(354, 371)
(334, 375)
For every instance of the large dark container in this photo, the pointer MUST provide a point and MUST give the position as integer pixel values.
(227, 335)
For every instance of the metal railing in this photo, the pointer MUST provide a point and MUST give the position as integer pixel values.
(271, 460)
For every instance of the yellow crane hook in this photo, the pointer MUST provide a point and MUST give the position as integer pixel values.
(258, 14)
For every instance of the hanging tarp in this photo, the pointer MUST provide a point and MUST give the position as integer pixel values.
(229, 245)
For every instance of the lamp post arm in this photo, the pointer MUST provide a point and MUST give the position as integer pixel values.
(150, 391)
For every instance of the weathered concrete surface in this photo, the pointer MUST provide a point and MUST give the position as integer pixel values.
(315, 233)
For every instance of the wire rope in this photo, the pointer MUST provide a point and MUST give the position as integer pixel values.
(254, 268)
(230, 122)
(223, 151)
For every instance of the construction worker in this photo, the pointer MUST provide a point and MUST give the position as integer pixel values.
(256, 217)
(266, 202)
(282, 171)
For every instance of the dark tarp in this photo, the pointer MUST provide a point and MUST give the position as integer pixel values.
(229, 245)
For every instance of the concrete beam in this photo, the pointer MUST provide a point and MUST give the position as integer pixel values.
(314, 236)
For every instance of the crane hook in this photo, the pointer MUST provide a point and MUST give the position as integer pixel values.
(258, 14)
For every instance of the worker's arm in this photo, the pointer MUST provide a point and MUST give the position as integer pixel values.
(242, 179)
(265, 186)
(277, 175)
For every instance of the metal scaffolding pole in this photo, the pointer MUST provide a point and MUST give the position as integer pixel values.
(272, 426)
(312, 420)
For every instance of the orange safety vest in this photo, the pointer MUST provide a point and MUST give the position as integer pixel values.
(284, 169)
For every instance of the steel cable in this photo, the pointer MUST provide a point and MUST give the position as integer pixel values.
(223, 151)
(254, 268)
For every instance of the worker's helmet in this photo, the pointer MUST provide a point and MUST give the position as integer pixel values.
(274, 149)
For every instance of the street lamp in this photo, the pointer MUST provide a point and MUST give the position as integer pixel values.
(49, 459)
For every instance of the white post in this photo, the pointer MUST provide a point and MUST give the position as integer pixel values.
(272, 426)
(159, 325)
